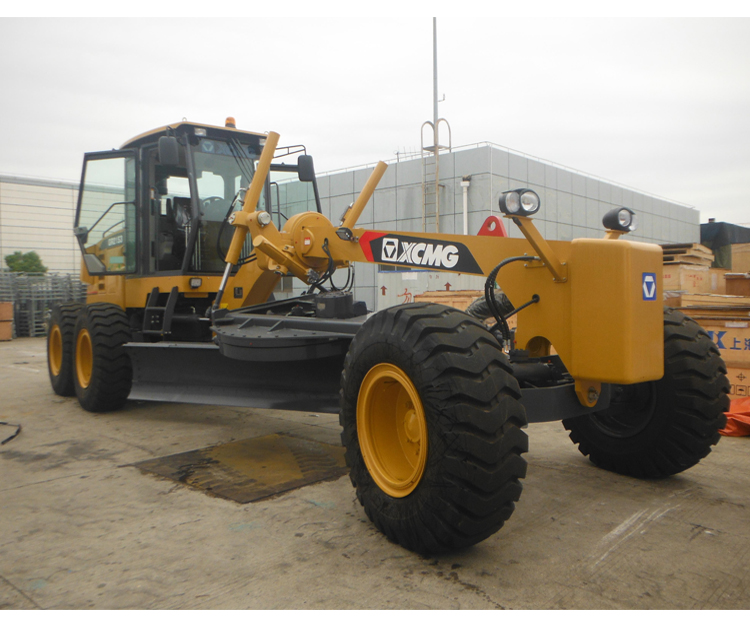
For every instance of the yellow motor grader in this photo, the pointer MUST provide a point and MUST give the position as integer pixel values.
(186, 231)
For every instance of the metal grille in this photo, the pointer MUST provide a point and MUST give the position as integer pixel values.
(34, 294)
(249, 470)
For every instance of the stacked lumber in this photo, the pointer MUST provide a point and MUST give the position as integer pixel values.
(687, 253)
(683, 299)
(687, 268)
(716, 313)
(706, 307)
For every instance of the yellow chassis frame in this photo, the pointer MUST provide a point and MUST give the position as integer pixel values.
(596, 305)
(599, 299)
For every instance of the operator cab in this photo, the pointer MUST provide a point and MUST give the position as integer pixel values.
(159, 205)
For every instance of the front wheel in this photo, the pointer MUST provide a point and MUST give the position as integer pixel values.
(103, 375)
(660, 428)
(432, 427)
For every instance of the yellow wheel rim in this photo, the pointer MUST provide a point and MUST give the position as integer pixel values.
(392, 430)
(84, 358)
(55, 350)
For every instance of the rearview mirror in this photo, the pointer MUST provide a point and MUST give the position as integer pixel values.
(169, 151)
(305, 168)
(82, 234)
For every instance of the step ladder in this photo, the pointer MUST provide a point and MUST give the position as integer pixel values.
(157, 320)
(431, 186)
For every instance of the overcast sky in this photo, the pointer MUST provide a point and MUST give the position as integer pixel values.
(661, 105)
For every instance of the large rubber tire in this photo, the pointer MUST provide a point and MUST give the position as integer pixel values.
(103, 373)
(427, 392)
(659, 428)
(60, 336)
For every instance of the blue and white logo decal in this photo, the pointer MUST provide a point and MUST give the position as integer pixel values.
(649, 286)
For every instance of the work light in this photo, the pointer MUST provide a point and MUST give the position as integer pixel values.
(519, 203)
(620, 220)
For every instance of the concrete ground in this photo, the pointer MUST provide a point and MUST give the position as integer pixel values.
(81, 528)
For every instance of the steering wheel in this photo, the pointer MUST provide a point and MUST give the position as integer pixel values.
(212, 200)
(214, 208)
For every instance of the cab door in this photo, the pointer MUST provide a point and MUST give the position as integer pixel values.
(106, 215)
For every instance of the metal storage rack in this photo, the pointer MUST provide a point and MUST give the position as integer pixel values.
(33, 296)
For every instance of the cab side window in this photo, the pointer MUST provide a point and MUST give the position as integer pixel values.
(106, 215)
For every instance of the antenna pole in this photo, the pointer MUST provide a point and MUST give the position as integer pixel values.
(434, 83)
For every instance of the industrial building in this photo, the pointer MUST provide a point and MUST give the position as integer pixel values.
(37, 215)
(572, 206)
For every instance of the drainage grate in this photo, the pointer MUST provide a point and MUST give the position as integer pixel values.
(249, 470)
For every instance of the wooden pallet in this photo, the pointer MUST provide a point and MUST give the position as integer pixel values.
(687, 260)
(688, 253)
(686, 300)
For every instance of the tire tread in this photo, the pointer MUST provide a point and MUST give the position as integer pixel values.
(696, 388)
(64, 316)
(112, 374)
(474, 418)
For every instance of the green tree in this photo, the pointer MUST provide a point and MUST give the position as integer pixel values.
(25, 262)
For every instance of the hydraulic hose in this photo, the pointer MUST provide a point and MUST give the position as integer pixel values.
(489, 295)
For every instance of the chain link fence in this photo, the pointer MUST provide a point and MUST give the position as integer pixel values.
(33, 296)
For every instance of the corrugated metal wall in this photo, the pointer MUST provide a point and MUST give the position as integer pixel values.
(37, 215)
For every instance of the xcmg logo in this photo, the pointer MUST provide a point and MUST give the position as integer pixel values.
(649, 286)
(420, 254)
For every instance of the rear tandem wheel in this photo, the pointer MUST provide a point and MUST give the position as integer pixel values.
(60, 337)
(432, 427)
(103, 374)
(659, 428)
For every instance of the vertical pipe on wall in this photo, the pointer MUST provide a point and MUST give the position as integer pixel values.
(465, 183)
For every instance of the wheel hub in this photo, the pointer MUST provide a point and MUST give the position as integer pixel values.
(630, 411)
(84, 358)
(55, 353)
(411, 426)
(392, 430)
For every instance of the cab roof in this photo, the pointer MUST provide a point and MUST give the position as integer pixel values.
(153, 135)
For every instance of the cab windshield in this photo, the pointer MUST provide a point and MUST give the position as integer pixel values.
(222, 168)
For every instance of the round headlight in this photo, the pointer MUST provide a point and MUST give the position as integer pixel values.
(529, 202)
(513, 202)
(520, 202)
(620, 220)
